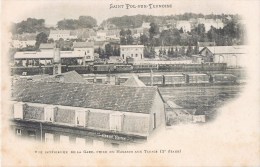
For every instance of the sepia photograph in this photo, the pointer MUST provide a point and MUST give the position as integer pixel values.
(130, 83)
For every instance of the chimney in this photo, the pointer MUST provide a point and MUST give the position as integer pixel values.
(56, 61)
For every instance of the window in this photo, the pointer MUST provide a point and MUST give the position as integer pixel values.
(154, 120)
(18, 110)
(116, 122)
(87, 51)
(49, 113)
(18, 132)
(80, 118)
(131, 55)
(136, 55)
(64, 139)
(49, 138)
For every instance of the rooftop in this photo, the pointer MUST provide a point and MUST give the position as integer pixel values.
(83, 44)
(133, 81)
(227, 49)
(68, 77)
(131, 46)
(106, 97)
(47, 46)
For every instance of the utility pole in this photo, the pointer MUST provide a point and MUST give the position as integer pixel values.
(151, 75)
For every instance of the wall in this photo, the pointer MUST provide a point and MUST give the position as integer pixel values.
(96, 119)
(136, 124)
(135, 52)
(158, 108)
(64, 116)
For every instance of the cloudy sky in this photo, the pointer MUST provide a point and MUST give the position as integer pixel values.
(55, 10)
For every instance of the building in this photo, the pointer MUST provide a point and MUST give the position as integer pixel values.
(61, 34)
(67, 77)
(146, 25)
(133, 81)
(199, 117)
(185, 25)
(86, 49)
(132, 51)
(211, 22)
(85, 113)
(23, 40)
(22, 43)
(233, 56)
(46, 57)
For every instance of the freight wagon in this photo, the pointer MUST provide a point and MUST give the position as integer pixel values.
(197, 78)
(174, 79)
(223, 78)
(123, 68)
(146, 79)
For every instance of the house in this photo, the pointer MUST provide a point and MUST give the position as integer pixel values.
(185, 25)
(146, 25)
(132, 51)
(61, 34)
(46, 57)
(86, 49)
(211, 22)
(23, 40)
(85, 113)
(133, 81)
(199, 117)
(233, 56)
(22, 43)
(176, 114)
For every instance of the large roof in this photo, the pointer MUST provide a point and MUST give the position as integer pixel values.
(133, 81)
(106, 97)
(68, 77)
(227, 49)
(46, 55)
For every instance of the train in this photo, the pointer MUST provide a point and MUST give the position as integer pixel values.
(184, 79)
(122, 68)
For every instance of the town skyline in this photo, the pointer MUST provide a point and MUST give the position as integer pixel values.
(73, 10)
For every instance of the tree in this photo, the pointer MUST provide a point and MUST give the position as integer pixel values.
(154, 30)
(108, 50)
(144, 39)
(87, 22)
(41, 38)
(189, 51)
(31, 25)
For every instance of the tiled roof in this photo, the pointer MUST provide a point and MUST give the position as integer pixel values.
(47, 46)
(133, 81)
(106, 97)
(83, 44)
(227, 49)
(68, 77)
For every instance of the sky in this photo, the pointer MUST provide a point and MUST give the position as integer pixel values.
(55, 10)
